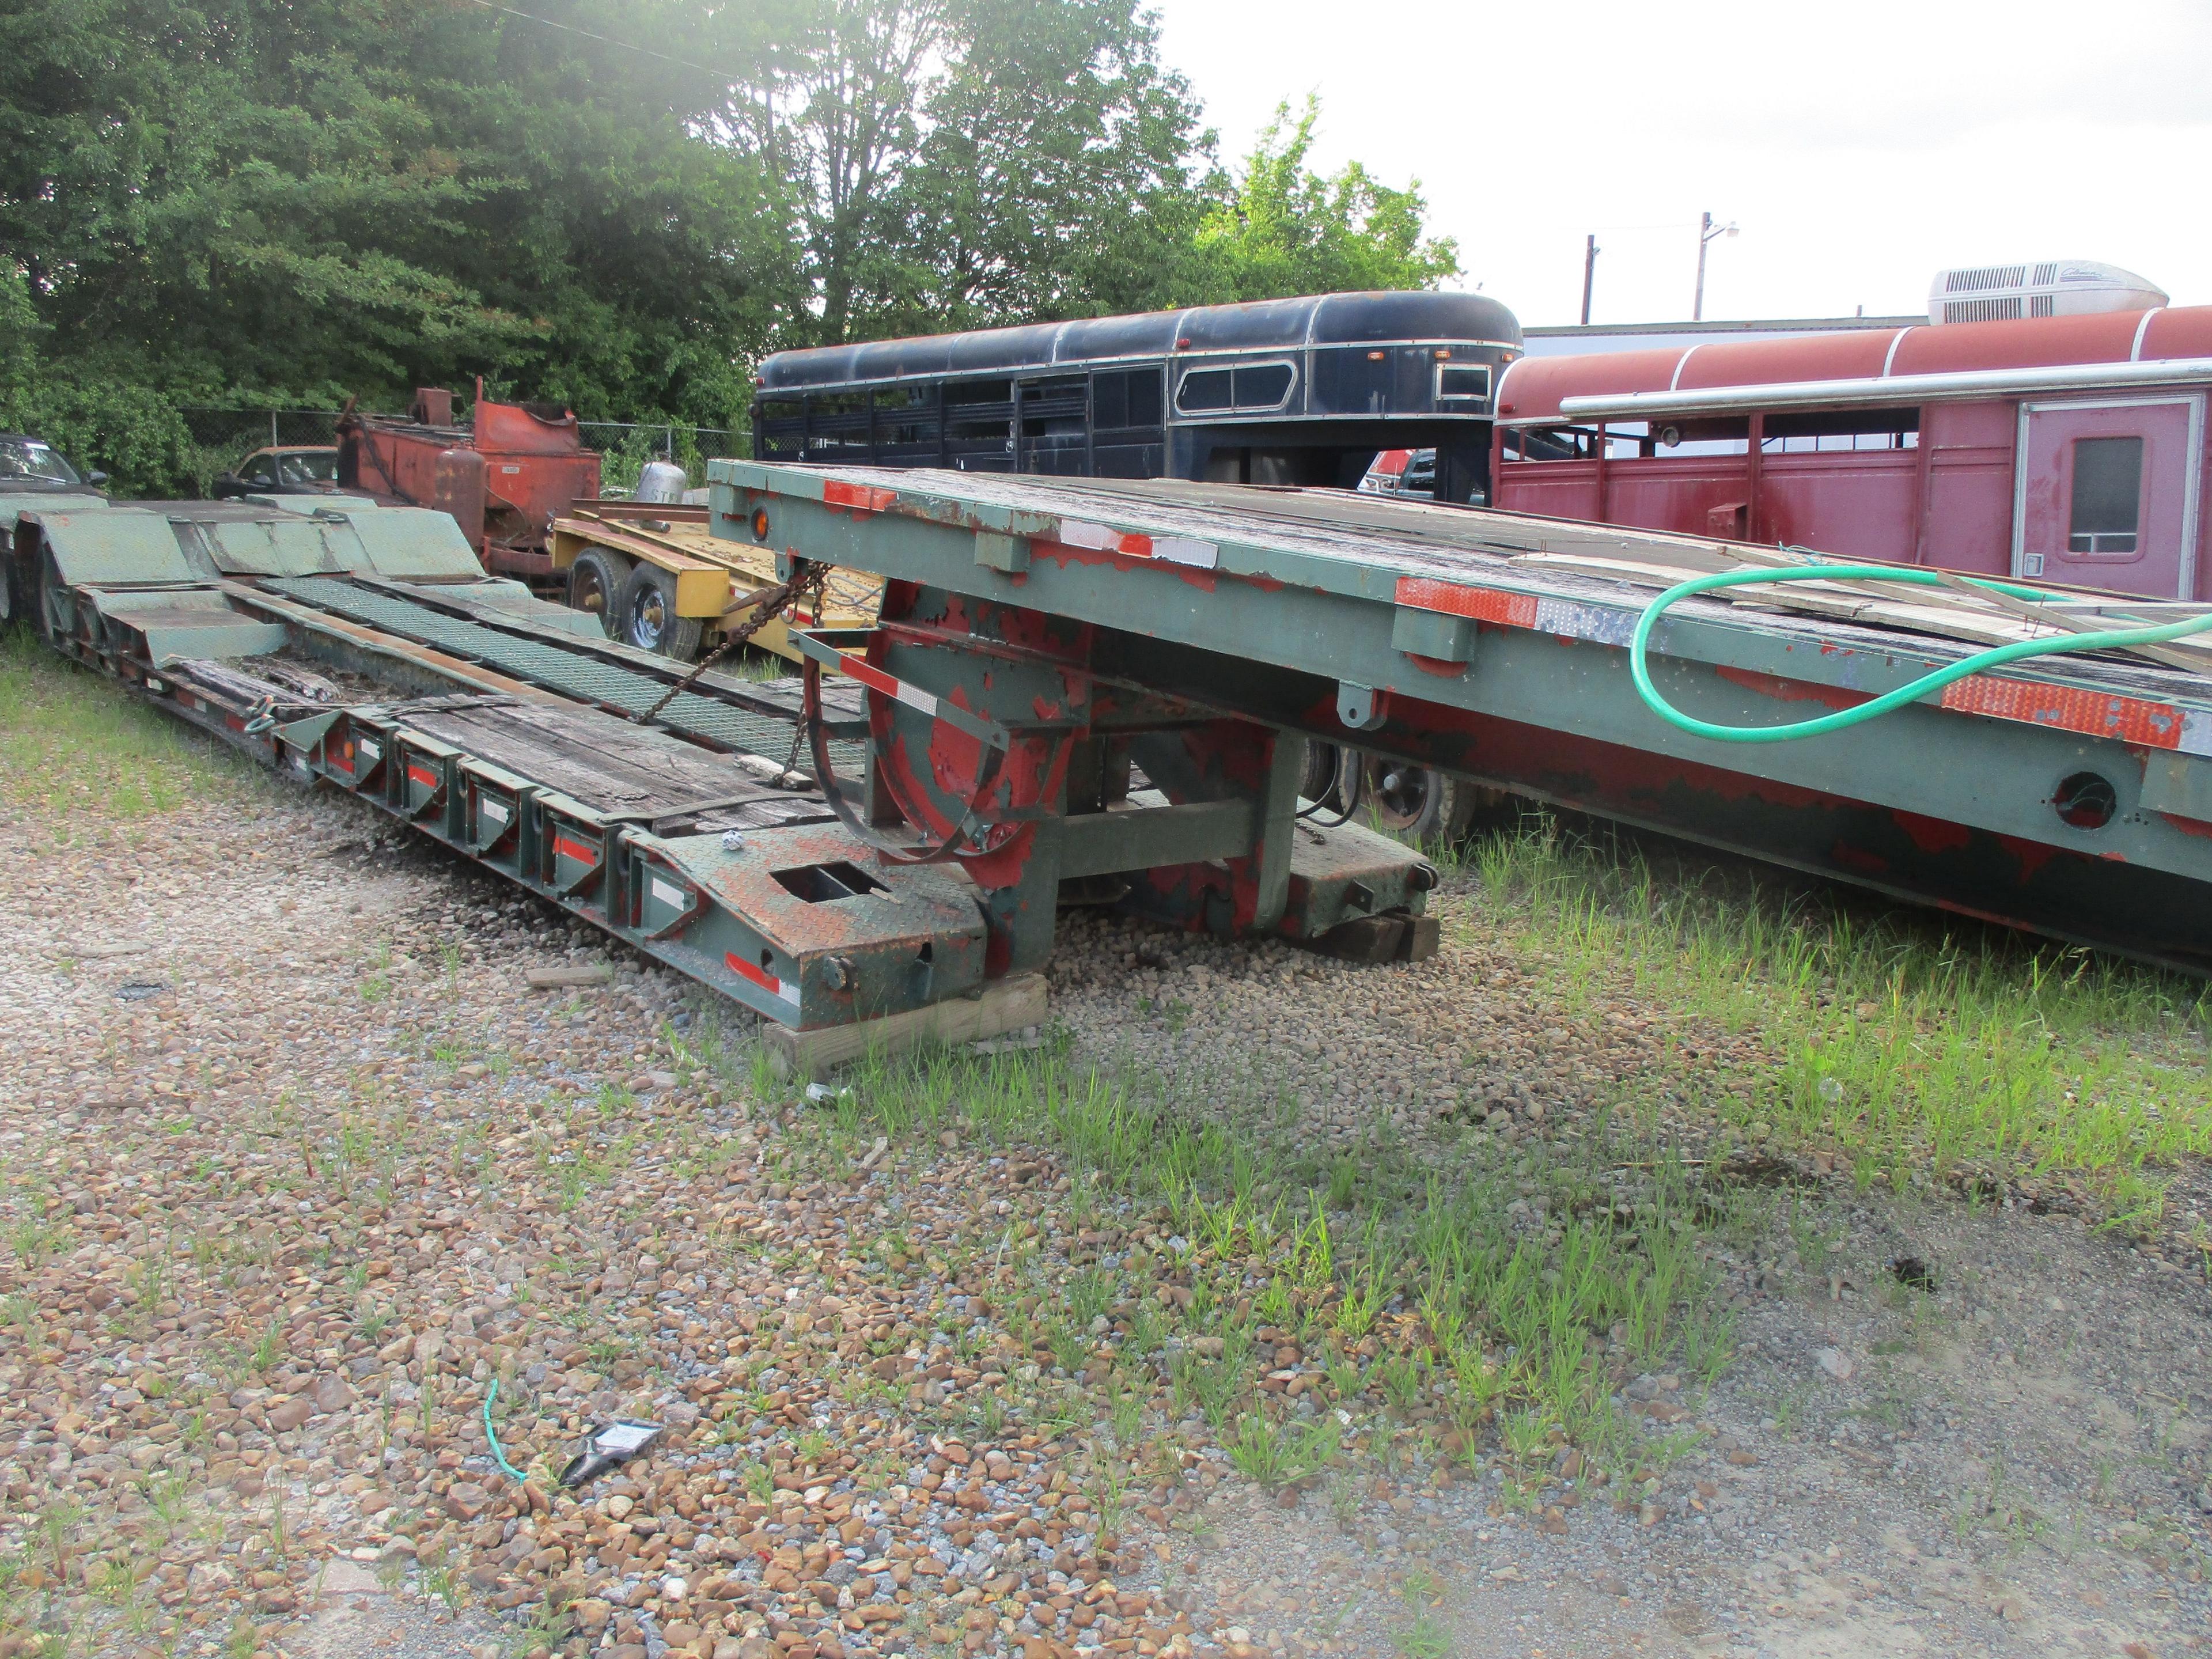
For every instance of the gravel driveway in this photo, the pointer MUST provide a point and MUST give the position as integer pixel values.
(299, 1165)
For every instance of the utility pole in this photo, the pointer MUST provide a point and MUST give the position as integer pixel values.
(1707, 230)
(1589, 273)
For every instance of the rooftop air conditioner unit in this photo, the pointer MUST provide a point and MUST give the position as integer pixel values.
(2059, 287)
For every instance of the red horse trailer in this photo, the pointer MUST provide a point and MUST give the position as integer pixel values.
(2065, 449)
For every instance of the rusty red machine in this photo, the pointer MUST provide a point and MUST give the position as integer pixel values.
(502, 477)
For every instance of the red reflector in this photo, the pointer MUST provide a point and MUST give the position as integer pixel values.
(1377, 357)
(1184, 345)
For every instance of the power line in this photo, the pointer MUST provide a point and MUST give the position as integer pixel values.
(608, 41)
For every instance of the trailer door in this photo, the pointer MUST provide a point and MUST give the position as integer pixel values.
(2105, 494)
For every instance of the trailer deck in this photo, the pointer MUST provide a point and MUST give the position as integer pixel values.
(1102, 690)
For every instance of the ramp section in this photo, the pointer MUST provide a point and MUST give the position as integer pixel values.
(570, 671)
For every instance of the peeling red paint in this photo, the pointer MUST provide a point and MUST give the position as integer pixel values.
(1934, 835)
(2033, 855)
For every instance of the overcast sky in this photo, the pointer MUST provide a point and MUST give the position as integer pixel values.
(1860, 149)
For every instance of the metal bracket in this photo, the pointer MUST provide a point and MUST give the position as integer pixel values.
(1435, 634)
(1361, 707)
(999, 551)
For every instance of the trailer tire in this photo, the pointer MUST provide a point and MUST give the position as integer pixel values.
(596, 582)
(1418, 806)
(648, 619)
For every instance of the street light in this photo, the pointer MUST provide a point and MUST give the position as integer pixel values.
(1707, 230)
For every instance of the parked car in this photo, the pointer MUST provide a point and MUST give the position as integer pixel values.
(282, 470)
(34, 475)
(32, 463)
(1402, 472)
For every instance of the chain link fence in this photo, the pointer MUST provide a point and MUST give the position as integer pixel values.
(625, 446)
(221, 438)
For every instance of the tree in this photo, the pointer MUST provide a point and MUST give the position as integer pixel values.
(838, 116)
(968, 162)
(1283, 230)
(248, 200)
(614, 204)
(1055, 180)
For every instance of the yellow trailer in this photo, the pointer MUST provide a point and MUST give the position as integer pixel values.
(657, 579)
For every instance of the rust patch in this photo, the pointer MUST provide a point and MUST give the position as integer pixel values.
(1933, 834)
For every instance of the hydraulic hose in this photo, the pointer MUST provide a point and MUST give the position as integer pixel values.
(2060, 645)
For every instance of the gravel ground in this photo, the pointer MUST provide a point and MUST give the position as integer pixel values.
(298, 1166)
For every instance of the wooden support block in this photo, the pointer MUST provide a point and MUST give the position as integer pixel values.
(1425, 937)
(1006, 1006)
(555, 979)
(1365, 938)
(1391, 937)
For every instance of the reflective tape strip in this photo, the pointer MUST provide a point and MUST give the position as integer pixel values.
(860, 498)
(784, 988)
(1173, 550)
(371, 749)
(423, 775)
(1568, 618)
(2061, 708)
(875, 680)
(667, 895)
(576, 850)
(491, 807)
(1181, 550)
(2071, 709)
(975, 726)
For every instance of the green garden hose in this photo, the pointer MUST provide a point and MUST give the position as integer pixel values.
(492, 1437)
(1639, 647)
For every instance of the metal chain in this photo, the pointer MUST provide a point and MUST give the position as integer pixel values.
(806, 576)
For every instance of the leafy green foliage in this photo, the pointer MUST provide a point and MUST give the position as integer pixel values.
(277, 202)
(1284, 229)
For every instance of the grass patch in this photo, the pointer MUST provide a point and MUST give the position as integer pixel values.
(1432, 1296)
(1902, 1045)
(76, 746)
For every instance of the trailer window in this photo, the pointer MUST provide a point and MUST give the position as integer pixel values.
(905, 419)
(838, 423)
(979, 415)
(2107, 494)
(1263, 386)
(1203, 389)
(1255, 386)
(1463, 383)
(1125, 399)
(781, 425)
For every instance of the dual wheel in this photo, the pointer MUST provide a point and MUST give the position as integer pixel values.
(1414, 804)
(635, 602)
